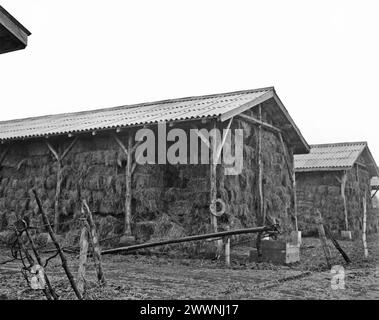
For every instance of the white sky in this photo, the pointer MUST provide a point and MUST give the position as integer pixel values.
(321, 56)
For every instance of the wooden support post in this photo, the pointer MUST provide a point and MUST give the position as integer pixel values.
(83, 259)
(94, 240)
(343, 194)
(57, 245)
(295, 200)
(57, 197)
(59, 157)
(262, 217)
(129, 170)
(364, 227)
(323, 240)
(128, 195)
(213, 186)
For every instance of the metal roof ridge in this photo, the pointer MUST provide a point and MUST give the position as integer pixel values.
(335, 144)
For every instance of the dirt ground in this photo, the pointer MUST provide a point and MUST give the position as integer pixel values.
(174, 276)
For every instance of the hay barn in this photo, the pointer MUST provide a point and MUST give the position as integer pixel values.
(335, 178)
(13, 35)
(90, 154)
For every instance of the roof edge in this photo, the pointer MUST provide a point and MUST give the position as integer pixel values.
(136, 105)
(14, 20)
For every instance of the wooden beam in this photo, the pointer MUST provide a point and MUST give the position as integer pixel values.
(4, 154)
(260, 170)
(59, 158)
(128, 191)
(258, 122)
(234, 112)
(53, 151)
(372, 197)
(364, 227)
(218, 153)
(119, 142)
(201, 136)
(343, 194)
(213, 188)
(286, 158)
(295, 199)
(68, 149)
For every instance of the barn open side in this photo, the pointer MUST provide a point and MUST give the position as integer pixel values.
(91, 154)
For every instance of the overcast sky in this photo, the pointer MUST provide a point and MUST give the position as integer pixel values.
(321, 56)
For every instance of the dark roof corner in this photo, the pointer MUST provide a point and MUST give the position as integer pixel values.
(13, 35)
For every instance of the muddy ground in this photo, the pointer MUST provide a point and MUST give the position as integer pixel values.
(175, 276)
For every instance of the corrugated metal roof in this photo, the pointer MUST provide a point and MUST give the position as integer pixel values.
(334, 156)
(223, 106)
(145, 113)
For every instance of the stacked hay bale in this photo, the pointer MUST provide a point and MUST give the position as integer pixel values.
(321, 190)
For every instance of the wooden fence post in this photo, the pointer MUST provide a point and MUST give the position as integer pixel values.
(364, 227)
(94, 240)
(83, 259)
(323, 240)
(227, 249)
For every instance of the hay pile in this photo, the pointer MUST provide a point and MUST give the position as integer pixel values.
(322, 191)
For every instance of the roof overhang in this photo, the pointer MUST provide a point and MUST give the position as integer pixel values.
(13, 35)
(301, 145)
